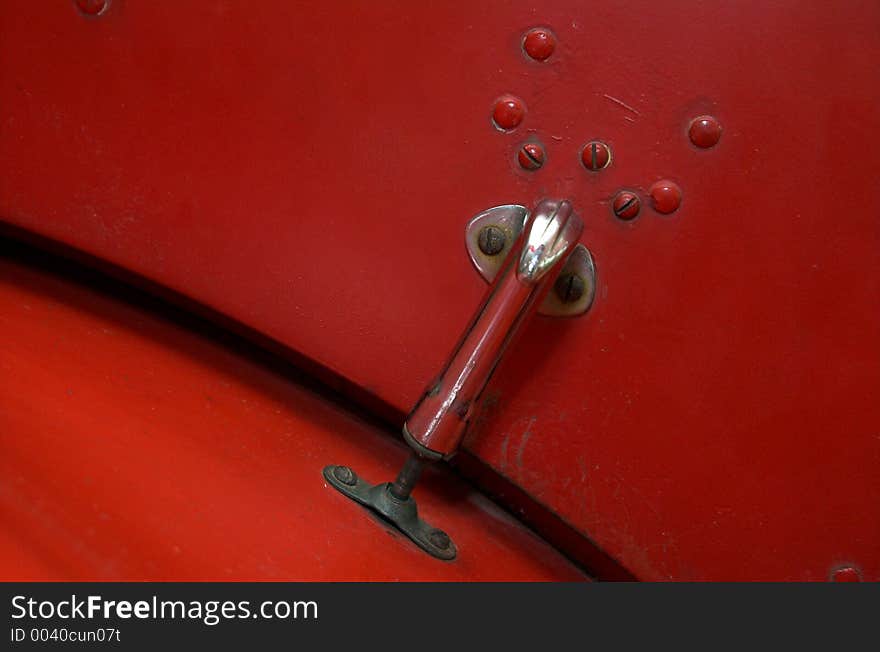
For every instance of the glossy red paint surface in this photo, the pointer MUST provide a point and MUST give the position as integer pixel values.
(132, 448)
(91, 7)
(508, 113)
(705, 131)
(846, 574)
(539, 43)
(712, 417)
(665, 196)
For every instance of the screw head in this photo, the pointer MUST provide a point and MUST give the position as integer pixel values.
(508, 113)
(491, 240)
(665, 196)
(569, 287)
(705, 131)
(626, 205)
(846, 574)
(439, 539)
(531, 156)
(596, 155)
(539, 43)
(345, 475)
(92, 7)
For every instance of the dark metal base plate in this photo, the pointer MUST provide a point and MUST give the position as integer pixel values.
(401, 513)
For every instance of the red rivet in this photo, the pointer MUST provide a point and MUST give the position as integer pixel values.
(705, 131)
(92, 7)
(539, 43)
(665, 197)
(626, 205)
(596, 155)
(508, 113)
(846, 574)
(531, 156)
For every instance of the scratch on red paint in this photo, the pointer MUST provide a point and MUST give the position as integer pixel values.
(522, 444)
(621, 103)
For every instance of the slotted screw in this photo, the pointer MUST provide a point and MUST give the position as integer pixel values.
(491, 240)
(569, 287)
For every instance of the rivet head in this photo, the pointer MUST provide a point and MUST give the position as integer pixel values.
(531, 156)
(539, 43)
(665, 197)
(491, 240)
(439, 539)
(596, 155)
(92, 7)
(569, 287)
(508, 113)
(705, 131)
(846, 574)
(626, 205)
(345, 475)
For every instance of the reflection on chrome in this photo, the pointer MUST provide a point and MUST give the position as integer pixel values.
(553, 231)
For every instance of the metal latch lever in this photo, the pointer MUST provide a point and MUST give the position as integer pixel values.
(436, 425)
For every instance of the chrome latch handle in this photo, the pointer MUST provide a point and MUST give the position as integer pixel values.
(437, 423)
(537, 248)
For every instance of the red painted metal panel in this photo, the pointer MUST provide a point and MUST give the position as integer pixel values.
(308, 170)
(133, 448)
